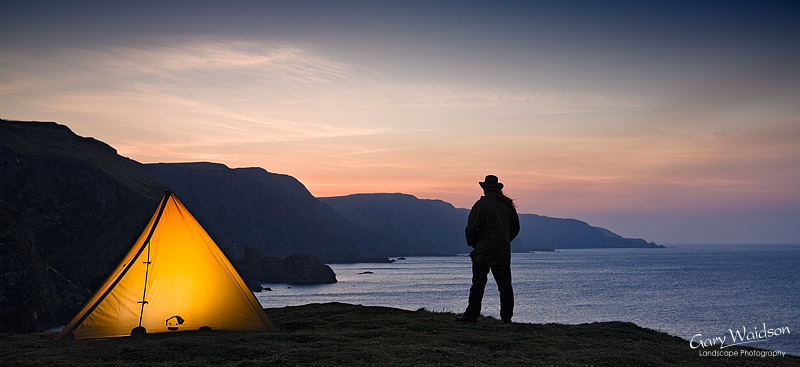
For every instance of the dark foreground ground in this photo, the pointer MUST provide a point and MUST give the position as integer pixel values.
(337, 334)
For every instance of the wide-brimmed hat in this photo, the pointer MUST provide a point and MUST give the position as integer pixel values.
(491, 183)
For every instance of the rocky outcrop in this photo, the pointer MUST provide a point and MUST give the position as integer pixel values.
(294, 269)
(33, 295)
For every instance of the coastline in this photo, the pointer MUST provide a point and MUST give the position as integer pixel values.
(659, 290)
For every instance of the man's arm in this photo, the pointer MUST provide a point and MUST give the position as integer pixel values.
(473, 226)
(514, 225)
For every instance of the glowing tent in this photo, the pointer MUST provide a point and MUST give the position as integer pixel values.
(174, 278)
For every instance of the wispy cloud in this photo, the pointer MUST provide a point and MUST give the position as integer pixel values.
(291, 109)
(252, 70)
(543, 101)
(250, 91)
(171, 56)
(208, 83)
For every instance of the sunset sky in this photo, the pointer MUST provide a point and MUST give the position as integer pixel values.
(674, 121)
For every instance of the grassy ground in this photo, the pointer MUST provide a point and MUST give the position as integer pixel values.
(346, 335)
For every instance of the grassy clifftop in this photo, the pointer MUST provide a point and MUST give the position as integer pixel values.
(349, 335)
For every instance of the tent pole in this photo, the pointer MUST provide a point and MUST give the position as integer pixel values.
(144, 288)
(167, 195)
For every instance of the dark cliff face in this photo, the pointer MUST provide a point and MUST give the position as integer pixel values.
(33, 295)
(83, 204)
(539, 231)
(409, 226)
(71, 208)
(433, 227)
(252, 207)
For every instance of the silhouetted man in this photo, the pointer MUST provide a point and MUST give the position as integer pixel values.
(492, 225)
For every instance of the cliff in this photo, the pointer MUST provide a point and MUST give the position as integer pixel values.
(83, 203)
(33, 295)
(433, 227)
(70, 207)
(409, 226)
(270, 212)
(558, 233)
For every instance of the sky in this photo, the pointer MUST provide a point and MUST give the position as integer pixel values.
(675, 121)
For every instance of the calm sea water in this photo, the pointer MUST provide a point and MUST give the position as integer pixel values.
(683, 290)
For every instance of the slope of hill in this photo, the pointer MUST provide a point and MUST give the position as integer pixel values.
(74, 207)
(83, 203)
(33, 295)
(335, 334)
(434, 227)
(271, 212)
(539, 231)
(409, 226)
(70, 207)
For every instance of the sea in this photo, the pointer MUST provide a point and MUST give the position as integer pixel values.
(711, 295)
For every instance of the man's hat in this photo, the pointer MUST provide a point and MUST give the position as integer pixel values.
(490, 183)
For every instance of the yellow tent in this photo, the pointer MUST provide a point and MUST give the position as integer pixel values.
(174, 278)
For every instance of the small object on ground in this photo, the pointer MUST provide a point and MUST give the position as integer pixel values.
(464, 318)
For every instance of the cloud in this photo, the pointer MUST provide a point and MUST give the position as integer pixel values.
(268, 91)
(172, 56)
(721, 134)
(210, 83)
(291, 109)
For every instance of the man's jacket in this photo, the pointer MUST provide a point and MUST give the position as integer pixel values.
(491, 227)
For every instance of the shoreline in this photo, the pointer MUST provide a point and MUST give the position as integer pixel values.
(657, 290)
